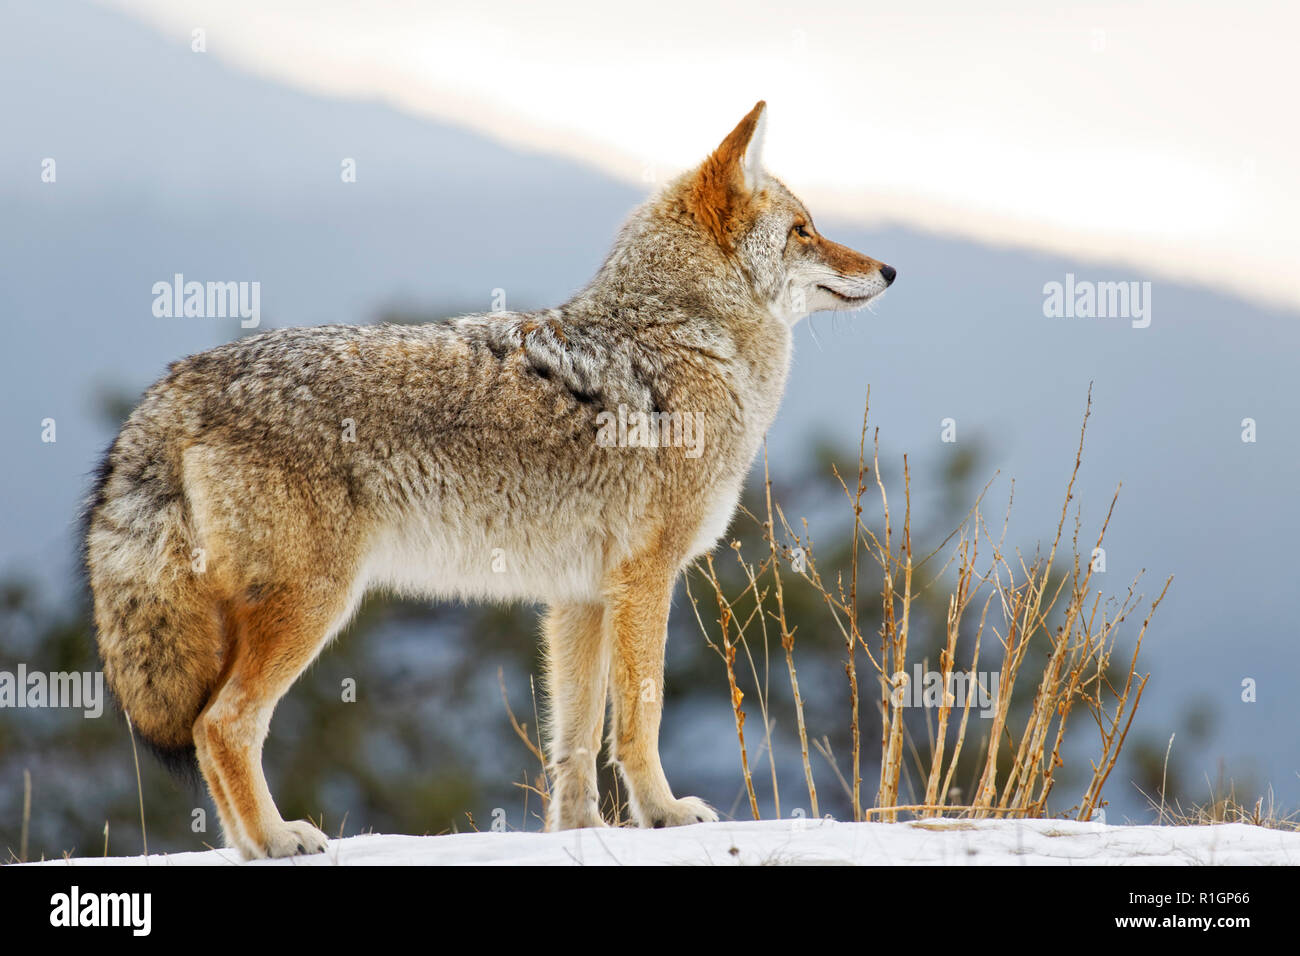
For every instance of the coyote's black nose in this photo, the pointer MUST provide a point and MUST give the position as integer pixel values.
(888, 272)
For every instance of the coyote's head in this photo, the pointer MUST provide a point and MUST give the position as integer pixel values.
(764, 237)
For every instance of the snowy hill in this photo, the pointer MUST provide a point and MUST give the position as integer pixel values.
(798, 842)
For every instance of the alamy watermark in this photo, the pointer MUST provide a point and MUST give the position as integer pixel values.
(651, 430)
(71, 689)
(208, 300)
(103, 909)
(1085, 299)
(925, 688)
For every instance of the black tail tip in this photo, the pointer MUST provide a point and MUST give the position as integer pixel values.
(181, 762)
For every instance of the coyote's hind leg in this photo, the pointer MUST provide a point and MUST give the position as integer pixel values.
(577, 677)
(271, 643)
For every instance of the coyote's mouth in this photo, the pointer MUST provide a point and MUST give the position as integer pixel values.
(851, 299)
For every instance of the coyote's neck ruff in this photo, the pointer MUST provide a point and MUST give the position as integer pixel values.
(577, 457)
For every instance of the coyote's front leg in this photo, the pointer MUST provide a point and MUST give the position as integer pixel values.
(639, 595)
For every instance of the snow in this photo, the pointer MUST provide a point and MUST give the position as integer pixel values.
(797, 842)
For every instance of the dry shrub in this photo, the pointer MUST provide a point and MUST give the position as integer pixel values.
(1001, 605)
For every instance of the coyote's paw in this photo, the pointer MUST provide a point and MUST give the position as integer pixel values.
(294, 839)
(681, 813)
(573, 818)
(574, 802)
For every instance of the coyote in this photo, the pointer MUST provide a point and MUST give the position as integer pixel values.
(261, 488)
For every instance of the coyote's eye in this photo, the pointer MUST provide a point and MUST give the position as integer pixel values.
(801, 231)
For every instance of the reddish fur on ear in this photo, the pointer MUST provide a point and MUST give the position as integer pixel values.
(719, 192)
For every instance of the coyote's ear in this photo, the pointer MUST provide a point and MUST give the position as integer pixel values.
(730, 174)
(751, 163)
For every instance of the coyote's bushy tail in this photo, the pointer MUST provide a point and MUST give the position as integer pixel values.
(159, 633)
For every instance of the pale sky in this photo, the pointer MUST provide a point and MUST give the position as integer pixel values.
(1160, 135)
